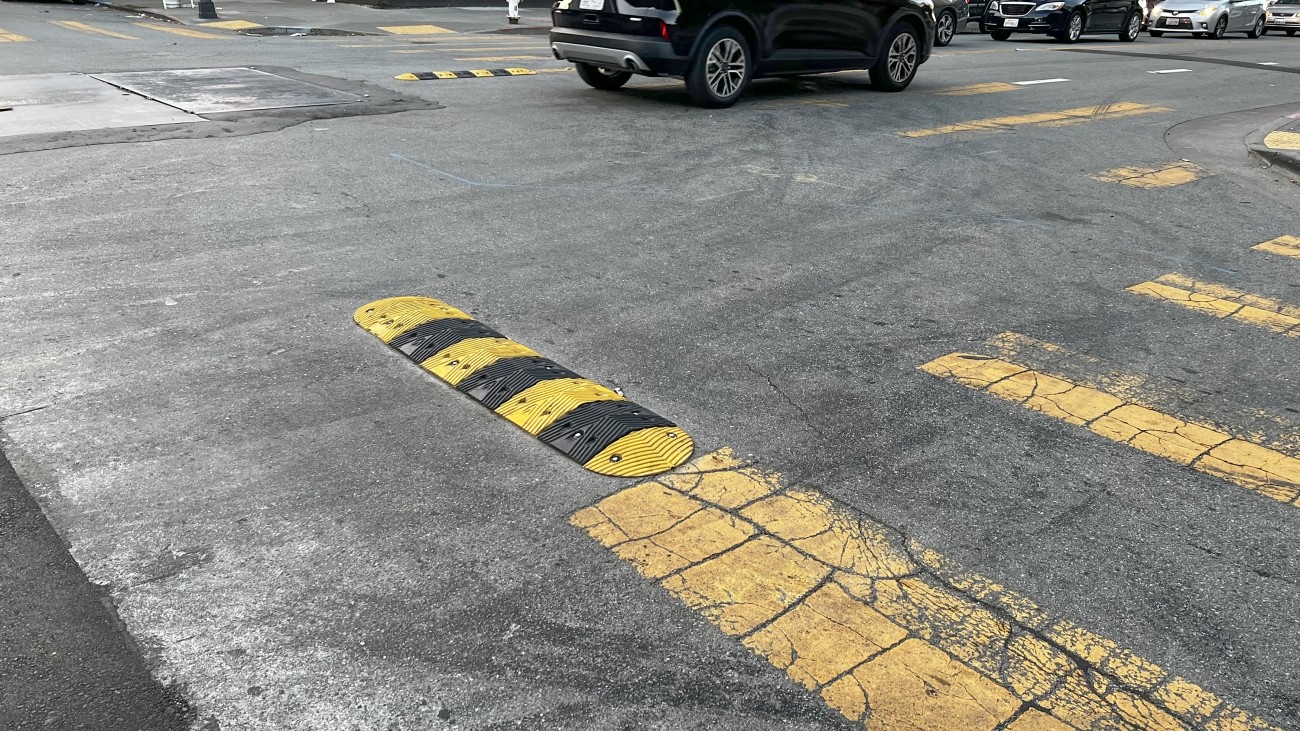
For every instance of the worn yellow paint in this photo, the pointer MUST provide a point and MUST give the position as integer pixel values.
(1219, 301)
(889, 633)
(388, 318)
(7, 37)
(460, 361)
(992, 87)
(504, 58)
(415, 30)
(1203, 448)
(232, 24)
(1168, 176)
(1282, 246)
(555, 71)
(86, 28)
(1282, 140)
(1048, 119)
(179, 31)
(544, 403)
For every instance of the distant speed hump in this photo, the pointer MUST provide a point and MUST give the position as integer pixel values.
(591, 424)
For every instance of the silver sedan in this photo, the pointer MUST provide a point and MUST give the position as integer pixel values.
(1213, 18)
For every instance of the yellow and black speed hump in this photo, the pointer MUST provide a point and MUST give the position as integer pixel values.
(591, 424)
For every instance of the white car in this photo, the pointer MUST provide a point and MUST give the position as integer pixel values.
(1212, 18)
(1284, 15)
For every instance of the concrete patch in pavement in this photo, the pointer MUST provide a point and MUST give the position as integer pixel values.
(66, 661)
(374, 100)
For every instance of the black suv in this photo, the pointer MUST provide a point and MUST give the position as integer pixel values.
(717, 46)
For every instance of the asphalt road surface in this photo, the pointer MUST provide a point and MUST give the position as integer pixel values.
(995, 409)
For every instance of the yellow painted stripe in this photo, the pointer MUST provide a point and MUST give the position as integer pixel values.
(1152, 389)
(84, 28)
(1220, 301)
(415, 30)
(555, 71)
(179, 31)
(505, 58)
(460, 361)
(1282, 246)
(1049, 119)
(1200, 447)
(892, 634)
(1167, 176)
(1282, 140)
(7, 37)
(232, 24)
(545, 403)
(992, 87)
(643, 452)
(388, 318)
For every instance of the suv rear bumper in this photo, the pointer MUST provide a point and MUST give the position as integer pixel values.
(641, 54)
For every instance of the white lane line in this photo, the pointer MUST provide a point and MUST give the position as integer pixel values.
(1168, 71)
(1038, 81)
(1268, 63)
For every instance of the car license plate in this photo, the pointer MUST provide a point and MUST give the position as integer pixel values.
(591, 4)
(1011, 22)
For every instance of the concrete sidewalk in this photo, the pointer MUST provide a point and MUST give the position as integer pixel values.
(1278, 143)
(289, 17)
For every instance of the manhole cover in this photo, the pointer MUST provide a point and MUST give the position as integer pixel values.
(43, 103)
(201, 91)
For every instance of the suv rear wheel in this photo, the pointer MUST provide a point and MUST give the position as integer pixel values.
(896, 67)
(602, 78)
(721, 71)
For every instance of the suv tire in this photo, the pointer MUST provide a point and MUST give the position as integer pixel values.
(900, 57)
(602, 78)
(721, 69)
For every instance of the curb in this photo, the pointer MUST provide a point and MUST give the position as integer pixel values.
(1288, 160)
(142, 11)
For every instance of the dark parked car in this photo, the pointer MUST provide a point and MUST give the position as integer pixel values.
(1284, 15)
(950, 18)
(1065, 20)
(717, 46)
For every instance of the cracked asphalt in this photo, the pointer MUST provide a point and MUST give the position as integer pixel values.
(299, 529)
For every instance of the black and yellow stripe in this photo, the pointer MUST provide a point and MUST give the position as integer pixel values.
(472, 74)
(591, 424)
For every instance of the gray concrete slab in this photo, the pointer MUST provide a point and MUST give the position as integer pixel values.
(45, 103)
(214, 91)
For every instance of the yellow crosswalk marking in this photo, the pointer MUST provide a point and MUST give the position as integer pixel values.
(1203, 448)
(505, 58)
(1282, 246)
(992, 87)
(415, 30)
(84, 28)
(1166, 176)
(1219, 301)
(179, 31)
(1045, 119)
(7, 37)
(232, 24)
(890, 633)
